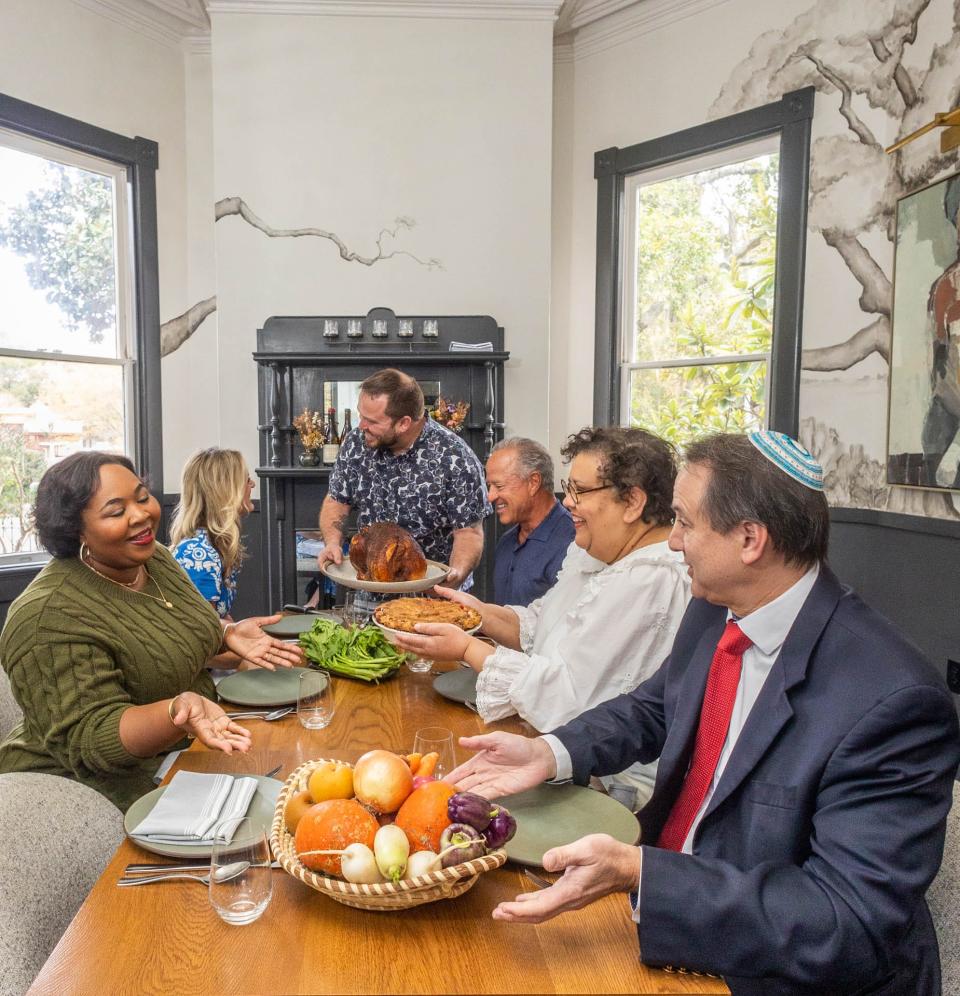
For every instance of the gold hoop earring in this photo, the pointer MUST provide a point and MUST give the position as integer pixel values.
(83, 546)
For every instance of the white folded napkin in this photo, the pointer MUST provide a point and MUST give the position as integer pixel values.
(471, 347)
(193, 806)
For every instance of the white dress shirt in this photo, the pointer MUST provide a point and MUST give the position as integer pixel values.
(600, 631)
(767, 627)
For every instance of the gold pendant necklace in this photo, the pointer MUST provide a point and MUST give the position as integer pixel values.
(162, 599)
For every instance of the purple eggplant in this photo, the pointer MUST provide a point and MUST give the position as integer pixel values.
(470, 808)
(501, 828)
(460, 842)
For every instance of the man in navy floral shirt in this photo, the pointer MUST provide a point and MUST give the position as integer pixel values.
(400, 466)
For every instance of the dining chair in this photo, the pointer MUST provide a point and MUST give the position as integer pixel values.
(943, 898)
(45, 871)
(10, 712)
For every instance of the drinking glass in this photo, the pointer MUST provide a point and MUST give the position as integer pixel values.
(379, 328)
(430, 328)
(241, 881)
(354, 328)
(436, 738)
(405, 330)
(331, 328)
(352, 612)
(315, 703)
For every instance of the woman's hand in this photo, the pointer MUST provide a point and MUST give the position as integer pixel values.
(205, 720)
(248, 641)
(438, 641)
(461, 597)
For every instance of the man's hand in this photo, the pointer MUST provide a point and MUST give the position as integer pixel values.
(329, 554)
(455, 577)
(506, 764)
(205, 720)
(593, 867)
(249, 642)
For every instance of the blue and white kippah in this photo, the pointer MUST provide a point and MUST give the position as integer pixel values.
(792, 458)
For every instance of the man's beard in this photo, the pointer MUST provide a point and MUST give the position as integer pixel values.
(383, 443)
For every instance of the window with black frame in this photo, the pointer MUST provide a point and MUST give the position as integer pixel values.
(700, 251)
(79, 330)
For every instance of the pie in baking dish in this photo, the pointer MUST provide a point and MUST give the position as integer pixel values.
(404, 613)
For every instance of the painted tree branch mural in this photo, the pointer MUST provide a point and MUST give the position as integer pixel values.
(175, 332)
(858, 51)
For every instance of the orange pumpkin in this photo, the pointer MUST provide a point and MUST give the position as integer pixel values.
(423, 817)
(331, 826)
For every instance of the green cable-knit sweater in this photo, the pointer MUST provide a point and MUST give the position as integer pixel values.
(80, 649)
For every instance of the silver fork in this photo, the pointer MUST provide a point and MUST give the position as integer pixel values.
(268, 716)
(540, 883)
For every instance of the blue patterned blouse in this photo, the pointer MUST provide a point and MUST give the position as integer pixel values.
(199, 558)
(431, 489)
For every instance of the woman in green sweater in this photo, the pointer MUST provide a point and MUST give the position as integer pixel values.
(106, 649)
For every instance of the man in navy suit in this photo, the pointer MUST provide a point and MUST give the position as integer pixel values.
(807, 753)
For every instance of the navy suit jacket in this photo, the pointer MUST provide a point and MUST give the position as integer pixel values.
(810, 865)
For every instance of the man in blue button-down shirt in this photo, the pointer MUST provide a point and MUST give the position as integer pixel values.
(520, 488)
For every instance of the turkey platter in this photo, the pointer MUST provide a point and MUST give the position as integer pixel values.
(384, 551)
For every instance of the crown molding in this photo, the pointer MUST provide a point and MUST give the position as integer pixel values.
(632, 20)
(587, 11)
(503, 10)
(164, 21)
(197, 44)
(562, 52)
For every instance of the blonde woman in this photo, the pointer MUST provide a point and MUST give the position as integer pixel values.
(205, 533)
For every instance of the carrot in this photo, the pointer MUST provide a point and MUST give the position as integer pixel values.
(414, 761)
(427, 763)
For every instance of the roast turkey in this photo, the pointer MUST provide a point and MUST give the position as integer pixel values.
(384, 551)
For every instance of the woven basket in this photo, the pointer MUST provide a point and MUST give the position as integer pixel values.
(444, 884)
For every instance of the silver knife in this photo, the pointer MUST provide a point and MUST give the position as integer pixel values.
(196, 866)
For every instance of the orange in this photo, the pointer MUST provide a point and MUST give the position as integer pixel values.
(331, 780)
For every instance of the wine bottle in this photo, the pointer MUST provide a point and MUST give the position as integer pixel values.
(347, 424)
(331, 444)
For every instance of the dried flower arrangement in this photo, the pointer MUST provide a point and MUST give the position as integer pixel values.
(309, 426)
(450, 414)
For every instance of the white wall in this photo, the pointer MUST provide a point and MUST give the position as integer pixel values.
(345, 123)
(66, 58)
(649, 79)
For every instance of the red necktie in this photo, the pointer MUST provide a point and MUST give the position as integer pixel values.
(715, 713)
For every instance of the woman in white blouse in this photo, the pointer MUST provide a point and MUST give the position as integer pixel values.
(609, 621)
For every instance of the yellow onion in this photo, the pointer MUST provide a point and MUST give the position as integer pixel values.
(382, 780)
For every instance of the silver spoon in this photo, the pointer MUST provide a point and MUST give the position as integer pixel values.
(223, 874)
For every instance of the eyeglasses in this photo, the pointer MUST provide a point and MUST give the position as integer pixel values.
(574, 493)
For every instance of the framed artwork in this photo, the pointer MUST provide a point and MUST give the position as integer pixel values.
(923, 427)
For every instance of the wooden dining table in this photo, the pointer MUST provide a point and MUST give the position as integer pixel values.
(166, 938)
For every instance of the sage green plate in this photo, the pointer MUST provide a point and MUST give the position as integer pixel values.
(290, 627)
(552, 815)
(260, 687)
(261, 811)
(458, 686)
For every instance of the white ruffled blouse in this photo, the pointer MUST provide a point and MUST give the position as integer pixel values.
(600, 631)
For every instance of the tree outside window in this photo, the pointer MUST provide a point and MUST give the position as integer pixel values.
(699, 281)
